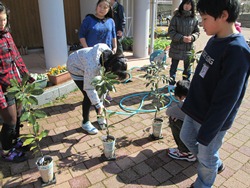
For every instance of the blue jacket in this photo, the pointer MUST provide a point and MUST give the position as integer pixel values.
(218, 85)
(97, 31)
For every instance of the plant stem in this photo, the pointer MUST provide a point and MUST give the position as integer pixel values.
(39, 148)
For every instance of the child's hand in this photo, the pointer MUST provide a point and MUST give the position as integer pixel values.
(100, 110)
(174, 119)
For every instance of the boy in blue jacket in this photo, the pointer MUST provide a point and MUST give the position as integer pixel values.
(217, 88)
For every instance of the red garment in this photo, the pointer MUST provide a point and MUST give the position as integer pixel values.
(238, 26)
(10, 60)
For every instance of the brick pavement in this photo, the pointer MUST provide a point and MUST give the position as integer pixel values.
(141, 161)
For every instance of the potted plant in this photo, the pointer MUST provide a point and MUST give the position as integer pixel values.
(41, 79)
(24, 93)
(127, 43)
(161, 43)
(58, 75)
(160, 32)
(104, 83)
(155, 76)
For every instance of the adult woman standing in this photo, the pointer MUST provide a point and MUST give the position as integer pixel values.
(99, 27)
(183, 31)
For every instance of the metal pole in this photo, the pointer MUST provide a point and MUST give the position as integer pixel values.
(154, 6)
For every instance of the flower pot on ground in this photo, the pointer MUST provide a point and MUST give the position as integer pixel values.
(104, 83)
(154, 76)
(157, 128)
(109, 146)
(45, 166)
(24, 94)
(58, 75)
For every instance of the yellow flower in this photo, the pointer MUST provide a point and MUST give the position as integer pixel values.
(57, 70)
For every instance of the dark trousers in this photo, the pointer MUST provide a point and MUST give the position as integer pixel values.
(11, 123)
(86, 103)
(186, 72)
(119, 50)
(176, 129)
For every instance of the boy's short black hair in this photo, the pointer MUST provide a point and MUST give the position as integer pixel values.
(114, 63)
(181, 89)
(215, 8)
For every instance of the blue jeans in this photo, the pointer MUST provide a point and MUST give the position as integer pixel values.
(208, 156)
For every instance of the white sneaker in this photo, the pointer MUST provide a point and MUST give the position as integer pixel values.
(176, 154)
(89, 128)
(102, 122)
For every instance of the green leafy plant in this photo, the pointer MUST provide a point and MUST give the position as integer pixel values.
(25, 93)
(155, 76)
(161, 44)
(194, 58)
(127, 43)
(103, 83)
(161, 32)
(36, 76)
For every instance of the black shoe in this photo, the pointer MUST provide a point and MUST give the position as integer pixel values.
(221, 168)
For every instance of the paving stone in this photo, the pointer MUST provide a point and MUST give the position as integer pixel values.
(114, 182)
(95, 176)
(79, 182)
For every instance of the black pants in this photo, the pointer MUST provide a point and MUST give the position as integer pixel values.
(86, 103)
(11, 123)
(176, 128)
(186, 71)
(119, 50)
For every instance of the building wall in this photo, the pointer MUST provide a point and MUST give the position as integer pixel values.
(26, 26)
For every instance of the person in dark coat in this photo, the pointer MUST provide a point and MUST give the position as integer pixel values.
(183, 31)
(120, 21)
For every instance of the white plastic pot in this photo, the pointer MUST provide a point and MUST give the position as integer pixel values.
(46, 171)
(109, 147)
(157, 127)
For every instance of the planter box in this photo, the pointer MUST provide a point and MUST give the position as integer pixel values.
(60, 78)
(42, 83)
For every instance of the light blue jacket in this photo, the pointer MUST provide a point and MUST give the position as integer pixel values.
(84, 64)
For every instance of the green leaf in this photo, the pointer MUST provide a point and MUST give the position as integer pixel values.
(111, 76)
(40, 114)
(33, 100)
(109, 87)
(33, 147)
(28, 141)
(32, 119)
(25, 116)
(14, 83)
(114, 82)
(27, 136)
(38, 91)
(36, 128)
(43, 134)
